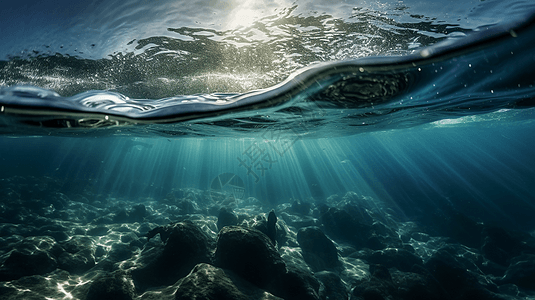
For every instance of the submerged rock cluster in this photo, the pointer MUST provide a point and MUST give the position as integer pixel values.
(81, 245)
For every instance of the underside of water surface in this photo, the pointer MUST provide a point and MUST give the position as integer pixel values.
(267, 150)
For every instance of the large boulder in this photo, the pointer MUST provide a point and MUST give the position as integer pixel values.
(521, 272)
(382, 236)
(341, 226)
(185, 245)
(414, 286)
(208, 282)
(459, 227)
(250, 254)
(296, 284)
(378, 286)
(226, 217)
(456, 280)
(318, 250)
(500, 246)
(332, 285)
(111, 286)
(270, 225)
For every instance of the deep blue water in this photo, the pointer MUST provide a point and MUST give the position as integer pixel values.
(423, 111)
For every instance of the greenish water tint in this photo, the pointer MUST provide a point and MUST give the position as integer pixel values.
(385, 147)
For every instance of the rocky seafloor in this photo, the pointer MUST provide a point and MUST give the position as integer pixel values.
(58, 243)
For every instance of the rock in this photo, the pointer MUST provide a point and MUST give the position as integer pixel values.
(57, 235)
(500, 246)
(414, 286)
(381, 236)
(58, 232)
(420, 236)
(112, 286)
(185, 245)
(78, 243)
(318, 250)
(25, 263)
(30, 256)
(462, 229)
(250, 254)
(226, 217)
(509, 289)
(121, 216)
(332, 286)
(98, 231)
(138, 212)
(129, 237)
(296, 284)
(271, 227)
(120, 252)
(173, 196)
(299, 221)
(320, 209)
(208, 282)
(456, 280)
(58, 200)
(340, 225)
(379, 286)
(188, 206)
(77, 263)
(300, 207)
(260, 222)
(401, 259)
(491, 268)
(380, 272)
(521, 272)
(360, 213)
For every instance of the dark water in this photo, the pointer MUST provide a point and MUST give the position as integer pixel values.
(393, 141)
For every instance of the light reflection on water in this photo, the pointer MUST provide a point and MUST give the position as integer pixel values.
(239, 47)
(160, 49)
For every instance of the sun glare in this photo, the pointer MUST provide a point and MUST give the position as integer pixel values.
(246, 13)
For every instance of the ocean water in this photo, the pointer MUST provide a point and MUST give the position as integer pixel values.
(267, 150)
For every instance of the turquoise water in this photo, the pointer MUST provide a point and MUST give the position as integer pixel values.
(414, 122)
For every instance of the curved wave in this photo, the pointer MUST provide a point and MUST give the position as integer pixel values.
(481, 73)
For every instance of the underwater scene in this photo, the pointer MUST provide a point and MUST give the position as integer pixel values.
(361, 150)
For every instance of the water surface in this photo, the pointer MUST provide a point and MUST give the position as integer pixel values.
(397, 134)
